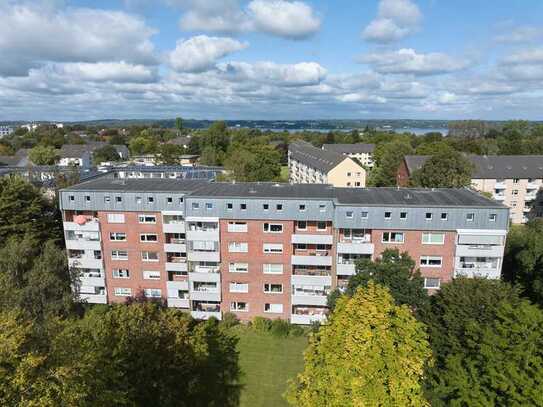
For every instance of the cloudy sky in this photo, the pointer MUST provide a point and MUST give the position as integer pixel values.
(271, 59)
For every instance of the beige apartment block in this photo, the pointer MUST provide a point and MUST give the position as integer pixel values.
(310, 165)
(362, 152)
(513, 180)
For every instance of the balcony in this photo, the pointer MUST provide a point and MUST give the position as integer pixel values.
(499, 197)
(93, 298)
(323, 259)
(205, 314)
(90, 244)
(87, 262)
(178, 302)
(499, 185)
(345, 269)
(530, 197)
(307, 319)
(177, 286)
(312, 239)
(174, 227)
(355, 247)
(308, 299)
(479, 251)
(176, 265)
(206, 256)
(205, 295)
(175, 247)
(92, 225)
(205, 277)
(482, 272)
(311, 280)
(203, 234)
(532, 185)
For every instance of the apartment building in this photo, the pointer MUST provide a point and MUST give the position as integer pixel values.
(359, 151)
(310, 165)
(263, 249)
(6, 131)
(514, 180)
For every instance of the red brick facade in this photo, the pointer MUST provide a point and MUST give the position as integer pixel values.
(402, 176)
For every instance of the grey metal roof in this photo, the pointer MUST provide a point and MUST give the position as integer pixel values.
(180, 141)
(78, 150)
(493, 166)
(349, 148)
(314, 157)
(417, 197)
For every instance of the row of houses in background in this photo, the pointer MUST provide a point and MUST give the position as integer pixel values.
(514, 180)
(265, 249)
(340, 165)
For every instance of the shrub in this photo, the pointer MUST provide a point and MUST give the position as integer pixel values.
(261, 324)
(280, 328)
(297, 330)
(229, 320)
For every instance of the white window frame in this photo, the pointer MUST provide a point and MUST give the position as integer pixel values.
(390, 235)
(146, 219)
(234, 306)
(322, 229)
(268, 267)
(120, 273)
(470, 217)
(151, 274)
(429, 237)
(428, 258)
(143, 238)
(115, 218)
(430, 287)
(267, 288)
(234, 267)
(269, 227)
(238, 247)
(152, 292)
(116, 255)
(278, 308)
(298, 225)
(364, 215)
(237, 227)
(272, 248)
(145, 257)
(117, 237)
(237, 287)
(122, 292)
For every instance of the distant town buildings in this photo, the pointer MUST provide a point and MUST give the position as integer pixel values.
(310, 165)
(360, 151)
(6, 131)
(514, 180)
(265, 249)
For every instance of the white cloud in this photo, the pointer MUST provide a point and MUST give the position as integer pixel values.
(395, 20)
(526, 56)
(30, 36)
(519, 34)
(202, 52)
(301, 74)
(282, 18)
(447, 97)
(408, 61)
(361, 98)
(108, 71)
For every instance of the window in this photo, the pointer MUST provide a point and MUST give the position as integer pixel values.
(444, 216)
(148, 237)
(238, 247)
(273, 248)
(388, 215)
(492, 217)
(237, 227)
(273, 288)
(321, 225)
(195, 206)
(430, 261)
(138, 200)
(348, 184)
(118, 199)
(265, 207)
(403, 215)
(152, 292)
(71, 197)
(151, 275)
(243, 206)
(432, 283)
(115, 218)
(181, 200)
(301, 208)
(149, 256)
(122, 292)
(87, 198)
(147, 218)
(516, 180)
(393, 237)
(273, 308)
(428, 216)
(470, 217)
(271, 268)
(120, 273)
(169, 200)
(322, 207)
(150, 199)
(229, 206)
(300, 246)
(107, 199)
(117, 236)
(433, 238)
(364, 215)
(514, 192)
(273, 228)
(239, 306)
(279, 207)
(349, 174)
(238, 268)
(209, 206)
(239, 287)
(349, 214)
(119, 255)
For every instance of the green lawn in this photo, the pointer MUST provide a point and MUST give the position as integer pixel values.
(284, 173)
(267, 363)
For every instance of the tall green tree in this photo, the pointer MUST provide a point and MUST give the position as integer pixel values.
(144, 144)
(179, 124)
(523, 259)
(397, 272)
(169, 154)
(254, 162)
(447, 169)
(487, 343)
(43, 155)
(371, 353)
(388, 157)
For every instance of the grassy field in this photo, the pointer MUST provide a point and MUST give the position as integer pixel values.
(267, 363)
